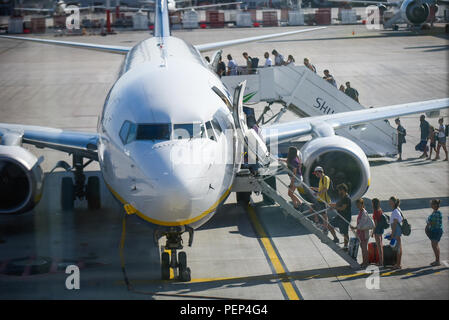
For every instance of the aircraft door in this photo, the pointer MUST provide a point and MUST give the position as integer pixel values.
(253, 143)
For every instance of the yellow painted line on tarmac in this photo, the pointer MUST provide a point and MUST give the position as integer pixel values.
(275, 260)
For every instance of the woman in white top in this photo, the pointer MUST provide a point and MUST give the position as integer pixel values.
(441, 139)
(396, 230)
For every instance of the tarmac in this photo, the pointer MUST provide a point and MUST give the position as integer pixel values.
(241, 253)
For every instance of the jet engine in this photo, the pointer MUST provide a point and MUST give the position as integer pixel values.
(415, 12)
(342, 160)
(21, 180)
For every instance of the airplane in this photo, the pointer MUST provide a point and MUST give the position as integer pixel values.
(171, 6)
(170, 140)
(60, 8)
(414, 12)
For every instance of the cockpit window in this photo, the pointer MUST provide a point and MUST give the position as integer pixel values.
(124, 131)
(188, 131)
(153, 131)
(222, 97)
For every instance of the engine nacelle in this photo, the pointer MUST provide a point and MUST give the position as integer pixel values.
(342, 160)
(21, 180)
(415, 12)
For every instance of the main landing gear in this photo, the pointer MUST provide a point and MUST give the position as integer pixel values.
(77, 188)
(170, 257)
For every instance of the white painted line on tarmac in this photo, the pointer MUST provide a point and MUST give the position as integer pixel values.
(445, 263)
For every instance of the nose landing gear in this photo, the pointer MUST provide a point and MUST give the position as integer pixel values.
(170, 258)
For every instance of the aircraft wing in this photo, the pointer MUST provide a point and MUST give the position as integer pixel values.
(34, 9)
(82, 143)
(294, 129)
(386, 3)
(207, 6)
(222, 44)
(92, 46)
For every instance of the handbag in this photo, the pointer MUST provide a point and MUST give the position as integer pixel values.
(367, 222)
(405, 226)
(427, 230)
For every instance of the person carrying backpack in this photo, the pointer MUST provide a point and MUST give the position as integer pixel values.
(396, 229)
(434, 230)
(379, 227)
(441, 139)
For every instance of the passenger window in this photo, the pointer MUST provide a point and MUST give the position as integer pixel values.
(124, 131)
(210, 131)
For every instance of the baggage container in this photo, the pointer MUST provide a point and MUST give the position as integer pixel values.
(270, 19)
(38, 25)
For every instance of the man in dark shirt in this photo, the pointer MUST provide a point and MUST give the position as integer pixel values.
(343, 207)
(329, 78)
(424, 126)
(401, 137)
(221, 68)
(353, 93)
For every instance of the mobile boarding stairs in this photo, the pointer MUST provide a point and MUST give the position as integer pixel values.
(262, 166)
(306, 94)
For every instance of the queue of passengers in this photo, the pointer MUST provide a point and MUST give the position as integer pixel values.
(366, 226)
(252, 64)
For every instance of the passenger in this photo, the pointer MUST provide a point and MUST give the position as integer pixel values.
(396, 230)
(290, 61)
(424, 126)
(278, 58)
(309, 65)
(268, 62)
(323, 199)
(232, 66)
(249, 63)
(401, 137)
(343, 207)
(378, 229)
(353, 93)
(362, 231)
(433, 137)
(342, 88)
(434, 230)
(294, 164)
(221, 68)
(441, 139)
(329, 78)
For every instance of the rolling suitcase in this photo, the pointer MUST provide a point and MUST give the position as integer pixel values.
(373, 254)
(389, 256)
(353, 247)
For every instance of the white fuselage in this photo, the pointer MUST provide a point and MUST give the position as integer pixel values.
(178, 179)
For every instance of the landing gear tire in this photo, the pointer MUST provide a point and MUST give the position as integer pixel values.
(67, 194)
(243, 198)
(93, 193)
(165, 266)
(184, 271)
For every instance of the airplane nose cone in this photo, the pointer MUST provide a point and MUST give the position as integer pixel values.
(171, 189)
